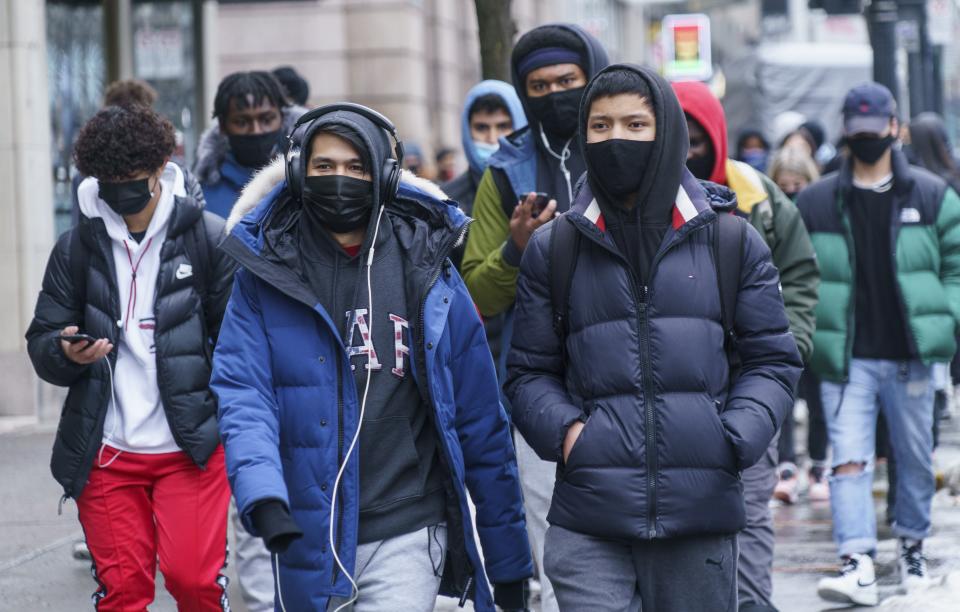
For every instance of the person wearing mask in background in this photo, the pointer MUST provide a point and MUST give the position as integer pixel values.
(889, 311)
(551, 65)
(778, 221)
(491, 111)
(295, 87)
(446, 165)
(137, 445)
(346, 303)
(649, 436)
(793, 171)
(253, 118)
(753, 150)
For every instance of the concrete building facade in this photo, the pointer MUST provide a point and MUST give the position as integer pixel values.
(411, 59)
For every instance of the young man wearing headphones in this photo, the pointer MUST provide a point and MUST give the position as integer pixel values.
(358, 398)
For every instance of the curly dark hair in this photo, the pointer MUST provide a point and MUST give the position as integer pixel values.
(119, 142)
(128, 92)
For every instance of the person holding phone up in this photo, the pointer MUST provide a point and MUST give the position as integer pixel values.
(127, 317)
(532, 176)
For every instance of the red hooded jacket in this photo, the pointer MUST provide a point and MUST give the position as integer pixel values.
(699, 103)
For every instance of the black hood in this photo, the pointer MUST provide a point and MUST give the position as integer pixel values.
(376, 149)
(561, 35)
(662, 176)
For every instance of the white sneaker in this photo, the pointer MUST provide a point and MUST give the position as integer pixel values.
(913, 567)
(856, 584)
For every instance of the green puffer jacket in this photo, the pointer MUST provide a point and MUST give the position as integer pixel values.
(925, 226)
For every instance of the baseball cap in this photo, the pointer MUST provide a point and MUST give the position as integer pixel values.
(868, 109)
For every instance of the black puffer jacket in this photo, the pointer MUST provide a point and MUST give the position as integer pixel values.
(186, 331)
(644, 365)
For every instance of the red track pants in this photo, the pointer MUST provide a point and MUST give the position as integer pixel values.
(141, 506)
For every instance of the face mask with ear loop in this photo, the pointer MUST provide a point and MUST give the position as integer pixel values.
(355, 590)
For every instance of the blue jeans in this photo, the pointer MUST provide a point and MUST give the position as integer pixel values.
(902, 390)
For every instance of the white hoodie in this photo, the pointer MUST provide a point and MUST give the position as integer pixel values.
(135, 419)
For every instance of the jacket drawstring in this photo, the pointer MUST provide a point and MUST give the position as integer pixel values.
(132, 299)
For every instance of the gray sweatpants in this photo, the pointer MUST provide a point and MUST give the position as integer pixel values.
(254, 569)
(401, 573)
(756, 540)
(536, 479)
(694, 574)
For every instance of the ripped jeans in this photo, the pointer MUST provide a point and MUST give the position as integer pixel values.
(902, 390)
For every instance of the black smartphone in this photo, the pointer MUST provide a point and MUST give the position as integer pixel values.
(75, 338)
(539, 204)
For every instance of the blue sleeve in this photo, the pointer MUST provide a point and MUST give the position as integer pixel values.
(763, 394)
(243, 381)
(484, 433)
(541, 407)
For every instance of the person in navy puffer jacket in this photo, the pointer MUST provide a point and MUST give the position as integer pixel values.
(346, 311)
(637, 408)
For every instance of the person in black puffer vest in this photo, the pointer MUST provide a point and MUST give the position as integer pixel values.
(632, 392)
(127, 317)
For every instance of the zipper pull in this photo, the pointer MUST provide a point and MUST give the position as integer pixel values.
(60, 505)
(466, 591)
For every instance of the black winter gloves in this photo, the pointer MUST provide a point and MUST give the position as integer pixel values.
(273, 522)
(511, 596)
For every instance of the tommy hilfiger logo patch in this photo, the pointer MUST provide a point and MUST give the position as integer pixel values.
(184, 271)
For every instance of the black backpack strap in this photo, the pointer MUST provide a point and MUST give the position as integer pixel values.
(508, 199)
(564, 248)
(727, 257)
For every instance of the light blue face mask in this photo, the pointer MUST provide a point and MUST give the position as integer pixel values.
(483, 151)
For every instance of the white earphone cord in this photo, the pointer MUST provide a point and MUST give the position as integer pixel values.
(563, 157)
(116, 421)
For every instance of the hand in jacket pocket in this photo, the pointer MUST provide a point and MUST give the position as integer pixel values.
(573, 434)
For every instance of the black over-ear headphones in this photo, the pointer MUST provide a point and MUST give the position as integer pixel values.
(389, 174)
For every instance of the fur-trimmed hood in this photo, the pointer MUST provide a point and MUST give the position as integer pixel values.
(214, 146)
(272, 175)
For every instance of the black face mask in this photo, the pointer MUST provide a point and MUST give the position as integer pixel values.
(870, 149)
(126, 197)
(253, 150)
(558, 112)
(619, 165)
(701, 167)
(341, 204)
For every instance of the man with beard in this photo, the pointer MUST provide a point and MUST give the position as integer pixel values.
(630, 387)
(253, 118)
(887, 236)
(551, 65)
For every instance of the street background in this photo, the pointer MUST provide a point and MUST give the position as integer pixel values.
(37, 571)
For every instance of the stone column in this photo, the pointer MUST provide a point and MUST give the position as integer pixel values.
(26, 203)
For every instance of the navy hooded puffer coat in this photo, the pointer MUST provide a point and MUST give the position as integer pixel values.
(665, 439)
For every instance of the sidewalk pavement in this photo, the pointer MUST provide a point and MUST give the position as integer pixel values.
(37, 571)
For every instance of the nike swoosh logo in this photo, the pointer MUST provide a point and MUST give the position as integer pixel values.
(182, 275)
(874, 581)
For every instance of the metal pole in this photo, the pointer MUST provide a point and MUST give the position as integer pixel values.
(881, 23)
